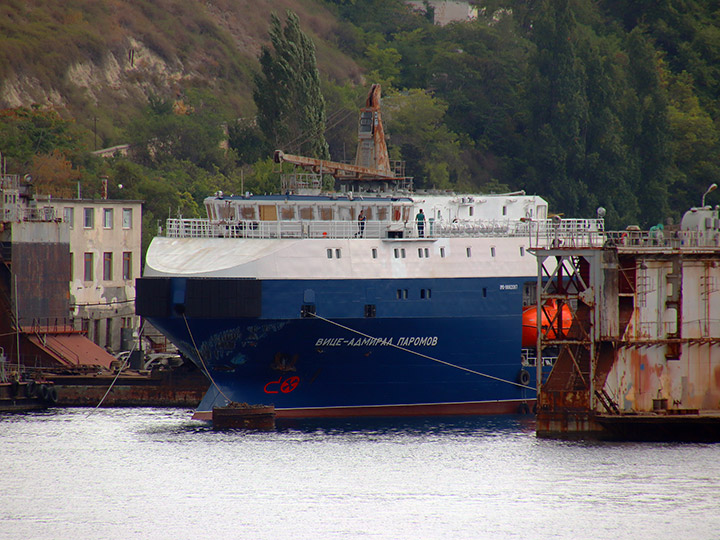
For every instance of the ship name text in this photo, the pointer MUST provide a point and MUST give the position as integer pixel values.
(424, 341)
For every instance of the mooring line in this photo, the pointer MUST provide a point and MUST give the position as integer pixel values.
(424, 355)
(207, 371)
(119, 371)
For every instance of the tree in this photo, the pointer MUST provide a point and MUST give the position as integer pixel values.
(185, 129)
(648, 128)
(291, 108)
(29, 131)
(418, 135)
(559, 108)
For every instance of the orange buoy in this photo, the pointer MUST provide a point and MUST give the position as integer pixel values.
(549, 313)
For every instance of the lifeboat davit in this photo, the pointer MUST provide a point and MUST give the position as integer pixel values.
(549, 312)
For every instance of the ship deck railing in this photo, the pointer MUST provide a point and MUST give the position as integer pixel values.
(540, 233)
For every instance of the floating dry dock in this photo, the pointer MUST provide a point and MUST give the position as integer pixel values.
(641, 359)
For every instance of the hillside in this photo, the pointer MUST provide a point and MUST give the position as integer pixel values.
(587, 103)
(98, 61)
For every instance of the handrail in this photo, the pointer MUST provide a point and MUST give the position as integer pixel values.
(541, 234)
(542, 231)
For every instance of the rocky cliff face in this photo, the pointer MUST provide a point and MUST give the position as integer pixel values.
(100, 65)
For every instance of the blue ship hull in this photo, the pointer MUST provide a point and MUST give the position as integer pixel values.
(430, 346)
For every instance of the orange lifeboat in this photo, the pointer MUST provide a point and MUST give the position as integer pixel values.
(549, 312)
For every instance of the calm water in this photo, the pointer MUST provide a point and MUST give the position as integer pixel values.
(153, 473)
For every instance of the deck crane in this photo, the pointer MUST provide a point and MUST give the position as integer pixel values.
(373, 170)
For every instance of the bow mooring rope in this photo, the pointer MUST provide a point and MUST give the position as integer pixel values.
(424, 355)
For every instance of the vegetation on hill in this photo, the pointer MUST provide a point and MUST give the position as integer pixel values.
(586, 103)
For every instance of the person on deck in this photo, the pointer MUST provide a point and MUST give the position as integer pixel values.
(361, 223)
(420, 219)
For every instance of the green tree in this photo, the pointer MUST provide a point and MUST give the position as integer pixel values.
(383, 64)
(694, 140)
(291, 108)
(418, 135)
(190, 129)
(29, 131)
(559, 109)
(648, 128)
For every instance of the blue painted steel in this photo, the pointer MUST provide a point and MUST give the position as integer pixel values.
(284, 359)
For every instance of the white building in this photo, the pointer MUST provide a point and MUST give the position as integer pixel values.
(105, 252)
(447, 11)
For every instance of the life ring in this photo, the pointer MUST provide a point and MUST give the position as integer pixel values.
(43, 393)
(524, 377)
(30, 389)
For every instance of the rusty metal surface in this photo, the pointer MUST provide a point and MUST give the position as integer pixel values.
(250, 417)
(40, 290)
(170, 388)
(655, 340)
(72, 350)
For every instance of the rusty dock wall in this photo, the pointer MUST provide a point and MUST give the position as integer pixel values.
(641, 359)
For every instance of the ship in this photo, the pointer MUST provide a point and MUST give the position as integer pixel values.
(368, 300)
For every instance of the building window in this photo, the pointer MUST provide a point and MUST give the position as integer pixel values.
(107, 218)
(72, 266)
(107, 266)
(127, 265)
(69, 216)
(127, 218)
(89, 218)
(88, 269)
(374, 253)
